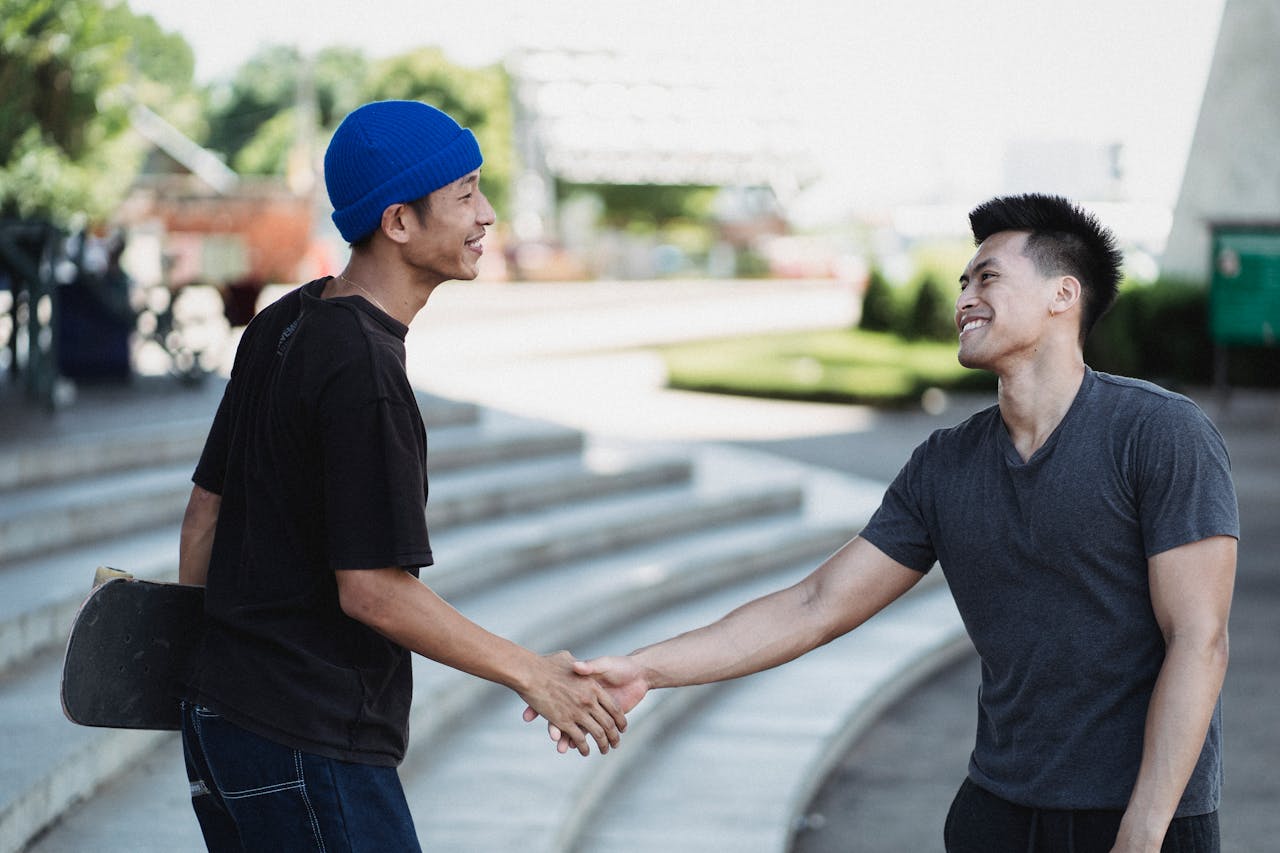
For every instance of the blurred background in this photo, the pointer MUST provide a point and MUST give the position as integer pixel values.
(164, 157)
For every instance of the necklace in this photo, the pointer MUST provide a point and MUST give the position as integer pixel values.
(372, 298)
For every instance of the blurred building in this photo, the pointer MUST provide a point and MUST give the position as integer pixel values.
(193, 220)
(1233, 171)
(597, 117)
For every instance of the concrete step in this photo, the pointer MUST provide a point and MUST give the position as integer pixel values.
(716, 767)
(738, 763)
(43, 591)
(48, 516)
(641, 503)
(545, 610)
(44, 452)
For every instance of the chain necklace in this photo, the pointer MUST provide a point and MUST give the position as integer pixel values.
(372, 298)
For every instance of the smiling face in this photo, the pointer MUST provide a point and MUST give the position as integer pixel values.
(1005, 303)
(444, 242)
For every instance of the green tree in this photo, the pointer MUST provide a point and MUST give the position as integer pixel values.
(932, 314)
(655, 205)
(69, 71)
(879, 304)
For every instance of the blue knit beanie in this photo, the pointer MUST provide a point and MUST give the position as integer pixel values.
(392, 152)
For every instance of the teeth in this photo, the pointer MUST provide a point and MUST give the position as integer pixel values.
(973, 324)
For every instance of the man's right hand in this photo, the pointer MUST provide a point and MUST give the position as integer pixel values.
(621, 677)
(578, 707)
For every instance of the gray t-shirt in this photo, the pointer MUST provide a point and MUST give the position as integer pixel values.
(1047, 560)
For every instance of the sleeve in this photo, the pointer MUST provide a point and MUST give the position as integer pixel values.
(1184, 488)
(373, 447)
(898, 527)
(212, 468)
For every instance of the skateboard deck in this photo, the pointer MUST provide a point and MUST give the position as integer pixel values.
(128, 646)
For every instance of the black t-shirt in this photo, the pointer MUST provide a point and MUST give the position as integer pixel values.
(318, 451)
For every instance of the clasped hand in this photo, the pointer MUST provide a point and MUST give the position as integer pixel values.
(623, 682)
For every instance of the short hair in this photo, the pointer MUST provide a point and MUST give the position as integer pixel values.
(1064, 239)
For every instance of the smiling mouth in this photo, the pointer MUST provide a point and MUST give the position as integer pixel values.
(476, 244)
(976, 323)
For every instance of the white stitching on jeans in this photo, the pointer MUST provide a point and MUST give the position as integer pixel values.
(306, 800)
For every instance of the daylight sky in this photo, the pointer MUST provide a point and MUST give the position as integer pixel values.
(907, 100)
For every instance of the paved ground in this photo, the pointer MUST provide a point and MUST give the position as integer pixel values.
(568, 354)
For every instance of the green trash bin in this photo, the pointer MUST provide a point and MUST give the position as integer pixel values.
(1244, 289)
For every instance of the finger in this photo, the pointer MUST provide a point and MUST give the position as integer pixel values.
(584, 667)
(604, 735)
(554, 731)
(529, 714)
(617, 718)
(610, 727)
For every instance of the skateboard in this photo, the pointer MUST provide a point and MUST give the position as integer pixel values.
(127, 648)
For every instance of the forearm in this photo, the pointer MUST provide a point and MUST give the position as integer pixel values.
(1178, 717)
(756, 636)
(410, 614)
(195, 544)
(847, 589)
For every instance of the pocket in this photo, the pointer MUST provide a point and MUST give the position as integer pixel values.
(243, 764)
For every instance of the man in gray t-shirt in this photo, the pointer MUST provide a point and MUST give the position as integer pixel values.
(1087, 527)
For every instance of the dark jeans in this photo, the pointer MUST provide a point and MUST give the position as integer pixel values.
(250, 793)
(981, 822)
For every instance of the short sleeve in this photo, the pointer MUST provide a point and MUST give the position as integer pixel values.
(373, 447)
(211, 470)
(898, 528)
(1183, 479)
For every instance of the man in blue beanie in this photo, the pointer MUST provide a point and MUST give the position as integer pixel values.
(306, 523)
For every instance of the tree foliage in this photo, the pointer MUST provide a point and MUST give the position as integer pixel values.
(932, 315)
(879, 304)
(253, 117)
(68, 72)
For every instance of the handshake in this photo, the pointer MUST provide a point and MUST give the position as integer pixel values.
(585, 700)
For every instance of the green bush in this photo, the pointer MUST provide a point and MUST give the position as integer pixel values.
(932, 314)
(1160, 332)
(880, 310)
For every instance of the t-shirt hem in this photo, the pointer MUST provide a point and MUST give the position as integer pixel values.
(292, 741)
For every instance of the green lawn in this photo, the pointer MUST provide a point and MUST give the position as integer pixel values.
(831, 365)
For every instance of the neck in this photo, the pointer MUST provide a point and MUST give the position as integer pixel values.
(1035, 399)
(385, 287)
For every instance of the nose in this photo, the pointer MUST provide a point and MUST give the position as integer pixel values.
(485, 214)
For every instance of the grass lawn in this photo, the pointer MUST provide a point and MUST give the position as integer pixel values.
(831, 365)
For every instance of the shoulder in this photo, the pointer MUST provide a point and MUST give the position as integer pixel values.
(972, 430)
(1145, 402)
(948, 447)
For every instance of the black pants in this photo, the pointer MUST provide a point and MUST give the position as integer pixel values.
(981, 822)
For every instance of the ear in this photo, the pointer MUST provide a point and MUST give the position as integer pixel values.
(393, 223)
(1065, 296)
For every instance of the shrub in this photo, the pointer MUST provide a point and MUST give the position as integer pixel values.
(879, 304)
(932, 314)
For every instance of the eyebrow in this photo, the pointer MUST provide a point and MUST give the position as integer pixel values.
(978, 267)
(472, 178)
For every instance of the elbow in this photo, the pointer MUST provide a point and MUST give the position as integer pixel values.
(1211, 646)
(366, 596)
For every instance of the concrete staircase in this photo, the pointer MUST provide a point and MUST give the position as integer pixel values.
(542, 534)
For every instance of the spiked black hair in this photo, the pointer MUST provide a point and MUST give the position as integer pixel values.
(1064, 239)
